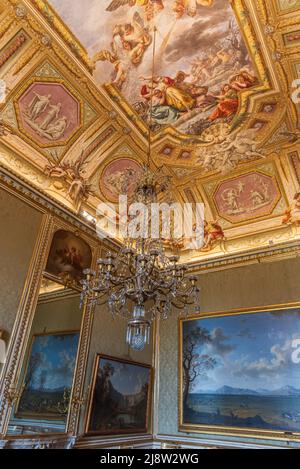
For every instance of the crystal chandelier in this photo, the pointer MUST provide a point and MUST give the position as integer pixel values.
(141, 282)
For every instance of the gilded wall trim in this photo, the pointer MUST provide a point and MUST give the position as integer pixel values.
(23, 322)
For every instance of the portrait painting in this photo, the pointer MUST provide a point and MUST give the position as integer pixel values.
(202, 64)
(47, 383)
(240, 372)
(120, 397)
(69, 256)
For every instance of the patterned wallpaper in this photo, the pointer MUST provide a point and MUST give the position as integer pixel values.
(19, 227)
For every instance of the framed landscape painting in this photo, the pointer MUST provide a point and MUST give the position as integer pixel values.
(240, 373)
(120, 397)
(48, 378)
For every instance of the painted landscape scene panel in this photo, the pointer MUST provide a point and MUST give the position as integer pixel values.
(49, 376)
(242, 371)
(120, 400)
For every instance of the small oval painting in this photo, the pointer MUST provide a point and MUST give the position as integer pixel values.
(119, 178)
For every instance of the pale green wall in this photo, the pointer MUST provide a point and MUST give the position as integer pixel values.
(244, 287)
(19, 225)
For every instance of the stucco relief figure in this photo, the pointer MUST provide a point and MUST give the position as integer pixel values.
(44, 117)
(246, 197)
(120, 181)
(231, 198)
(71, 174)
(260, 195)
(292, 215)
(54, 110)
(57, 129)
(38, 105)
(227, 154)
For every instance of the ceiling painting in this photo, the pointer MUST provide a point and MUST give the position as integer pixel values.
(75, 120)
(203, 69)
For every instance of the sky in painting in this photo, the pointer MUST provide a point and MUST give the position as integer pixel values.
(253, 351)
(127, 379)
(56, 361)
(178, 41)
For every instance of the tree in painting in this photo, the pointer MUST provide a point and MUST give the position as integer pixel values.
(242, 371)
(120, 397)
(48, 379)
(194, 363)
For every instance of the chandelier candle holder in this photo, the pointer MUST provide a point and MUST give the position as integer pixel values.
(141, 282)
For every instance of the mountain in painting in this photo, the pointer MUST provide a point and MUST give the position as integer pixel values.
(228, 390)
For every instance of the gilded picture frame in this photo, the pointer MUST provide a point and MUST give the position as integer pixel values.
(119, 412)
(206, 411)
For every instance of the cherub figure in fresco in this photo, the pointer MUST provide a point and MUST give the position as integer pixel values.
(189, 7)
(292, 215)
(130, 41)
(120, 66)
(152, 7)
(242, 80)
(133, 37)
(212, 232)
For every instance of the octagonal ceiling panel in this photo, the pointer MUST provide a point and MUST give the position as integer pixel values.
(119, 177)
(48, 113)
(247, 197)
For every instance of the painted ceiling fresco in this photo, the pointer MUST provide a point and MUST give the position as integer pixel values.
(224, 127)
(201, 62)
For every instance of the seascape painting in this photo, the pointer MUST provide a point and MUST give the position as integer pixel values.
(48, 380)
(202, 64)
(242, 371)
(120, 397)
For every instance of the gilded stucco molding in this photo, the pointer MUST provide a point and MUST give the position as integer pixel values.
(23, 322)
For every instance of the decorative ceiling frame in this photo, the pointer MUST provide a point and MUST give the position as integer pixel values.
(115, 134)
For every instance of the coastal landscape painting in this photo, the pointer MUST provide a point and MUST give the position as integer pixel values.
(120, 397)
(241, 371)
(48, 379)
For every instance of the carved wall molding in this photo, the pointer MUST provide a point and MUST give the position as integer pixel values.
(23, 322)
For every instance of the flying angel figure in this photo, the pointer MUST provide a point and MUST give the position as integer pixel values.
(152, 7)
(189, 7)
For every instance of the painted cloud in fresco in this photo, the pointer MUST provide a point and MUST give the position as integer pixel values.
(202, 64)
